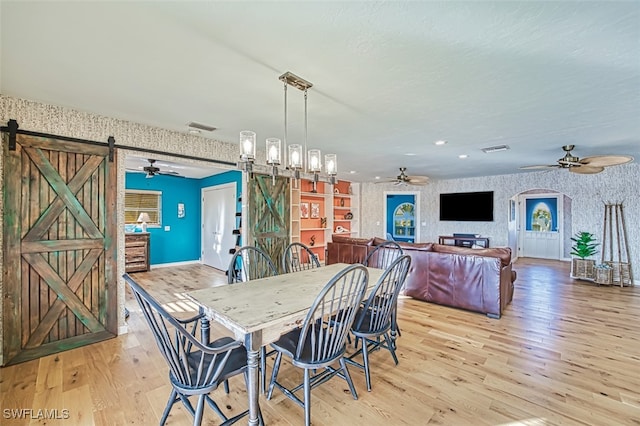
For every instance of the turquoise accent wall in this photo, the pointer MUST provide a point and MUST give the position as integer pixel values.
(182, 242)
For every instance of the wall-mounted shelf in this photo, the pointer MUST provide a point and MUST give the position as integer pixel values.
(330, 205)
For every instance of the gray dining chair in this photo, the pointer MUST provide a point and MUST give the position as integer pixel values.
(383, 255)
(195, 368)
(298, 257)
(374, 318)
(251, 263)
(319, 343)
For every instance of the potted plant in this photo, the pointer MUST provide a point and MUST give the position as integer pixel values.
(584, 246)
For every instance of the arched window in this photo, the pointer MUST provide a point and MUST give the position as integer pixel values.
(404, 221)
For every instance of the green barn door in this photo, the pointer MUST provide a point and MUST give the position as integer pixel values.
(268, 215)
(59, 246)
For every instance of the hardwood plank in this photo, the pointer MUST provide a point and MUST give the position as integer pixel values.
(564, 353)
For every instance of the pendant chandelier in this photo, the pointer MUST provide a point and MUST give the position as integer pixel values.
(295, 167)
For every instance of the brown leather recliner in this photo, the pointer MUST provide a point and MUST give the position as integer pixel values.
(479, 280)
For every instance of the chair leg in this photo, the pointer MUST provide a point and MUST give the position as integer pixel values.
(307, 398)
(391, 347)
(226, 387)
(172, 400)
(365, 359)
(274, 374)
(263, 369)
(347, 377)
(197, 418)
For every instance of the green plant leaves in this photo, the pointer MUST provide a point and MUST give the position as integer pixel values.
(585, 245)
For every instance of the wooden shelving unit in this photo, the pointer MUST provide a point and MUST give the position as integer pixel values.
(309, 208)
(346, 209)
(238, 230)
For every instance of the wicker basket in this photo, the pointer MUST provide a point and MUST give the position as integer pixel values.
(621, 273)
(583, 269)
(604, 276)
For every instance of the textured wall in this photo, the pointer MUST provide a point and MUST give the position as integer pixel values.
(585, 198)
(38, 117)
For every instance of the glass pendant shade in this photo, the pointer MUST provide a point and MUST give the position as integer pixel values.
(273, 151)
(331, 164)
(313, 162)
(247, 145)
(295, 156)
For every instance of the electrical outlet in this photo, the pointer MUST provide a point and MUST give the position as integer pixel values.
(167, 228)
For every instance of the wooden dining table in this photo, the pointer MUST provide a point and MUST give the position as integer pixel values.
(259, 311)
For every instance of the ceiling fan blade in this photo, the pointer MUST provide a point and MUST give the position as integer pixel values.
(417, 180)
(170, 173)
(546, 166)
(606, 160)
(586, 170)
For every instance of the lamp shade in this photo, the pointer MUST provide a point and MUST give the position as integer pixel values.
(144, 217)
(247, 145)
(273, 151)
(295, 156)
(331, 164)
(313, 162)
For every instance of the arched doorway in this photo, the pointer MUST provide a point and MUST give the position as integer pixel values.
(543, 216)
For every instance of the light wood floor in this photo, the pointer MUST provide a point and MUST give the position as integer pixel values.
(564, 353)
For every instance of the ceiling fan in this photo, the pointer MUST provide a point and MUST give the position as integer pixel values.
(404, 179)
(587, 165)
(151, 170)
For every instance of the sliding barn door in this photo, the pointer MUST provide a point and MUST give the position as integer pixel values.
(59, 246)
(268, 215)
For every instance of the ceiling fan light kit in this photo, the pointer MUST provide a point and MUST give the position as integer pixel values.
(404, 179)
(152, 170)
(588, 165)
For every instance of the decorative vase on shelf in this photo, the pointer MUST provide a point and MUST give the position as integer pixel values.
(341, 202)
(312, 240)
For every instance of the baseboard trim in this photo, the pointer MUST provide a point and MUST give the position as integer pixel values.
(167, 265)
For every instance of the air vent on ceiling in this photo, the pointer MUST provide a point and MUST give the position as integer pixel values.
(496, 148)
(200, 126)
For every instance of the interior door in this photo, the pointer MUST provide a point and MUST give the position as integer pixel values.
(59, 246)
(218, 222)
(540, 230)
(269, 208)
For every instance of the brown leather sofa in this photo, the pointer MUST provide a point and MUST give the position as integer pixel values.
(479, 280)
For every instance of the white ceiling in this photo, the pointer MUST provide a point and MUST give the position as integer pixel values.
(390, 78)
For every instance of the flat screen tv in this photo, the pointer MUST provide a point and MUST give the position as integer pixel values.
(467, 206)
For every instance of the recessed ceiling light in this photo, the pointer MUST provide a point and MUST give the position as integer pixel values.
(441, 142)
(377, 177)
(410, 154)
(463, 156)
(353, 172)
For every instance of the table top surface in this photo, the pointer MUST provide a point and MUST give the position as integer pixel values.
(253, 305)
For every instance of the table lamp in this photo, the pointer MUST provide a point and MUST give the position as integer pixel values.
(144, 218)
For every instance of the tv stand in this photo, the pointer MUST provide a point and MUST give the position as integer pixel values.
(483, 240)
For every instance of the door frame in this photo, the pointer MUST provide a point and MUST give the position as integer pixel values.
(521, 217)
(229, 185)
(416, 198)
